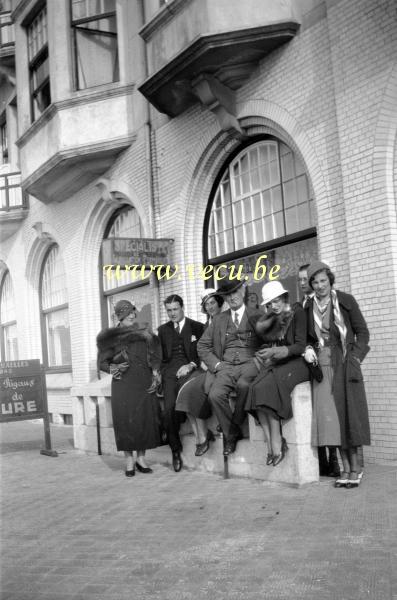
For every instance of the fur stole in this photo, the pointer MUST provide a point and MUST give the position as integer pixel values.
(111, 337)
(272, 328)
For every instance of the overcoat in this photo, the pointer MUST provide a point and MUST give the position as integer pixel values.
(135, 412)
(348, 384)
(275, 381)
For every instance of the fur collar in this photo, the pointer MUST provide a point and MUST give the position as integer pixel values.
(274, 327)
(115, 336)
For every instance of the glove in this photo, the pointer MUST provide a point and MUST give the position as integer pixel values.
(279, 352)
(156, 383)
(116, 370)
(310, 355)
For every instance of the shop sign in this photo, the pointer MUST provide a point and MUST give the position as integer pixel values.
(136, 251)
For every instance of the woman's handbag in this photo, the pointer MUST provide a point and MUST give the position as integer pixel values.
(311, 359)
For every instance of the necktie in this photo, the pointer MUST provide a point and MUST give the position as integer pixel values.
(236, 321)
(178, 329)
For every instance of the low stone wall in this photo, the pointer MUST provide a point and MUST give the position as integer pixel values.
(299, 467)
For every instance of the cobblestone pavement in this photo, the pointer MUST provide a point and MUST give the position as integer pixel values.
(75, 528)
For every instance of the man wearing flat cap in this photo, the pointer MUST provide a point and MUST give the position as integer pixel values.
(228, 347)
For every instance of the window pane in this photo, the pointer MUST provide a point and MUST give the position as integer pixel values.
(226, 192)
(249, 234)
(7, 305)
(289, 193)
(10, 342)
(97, 56)
(247, 210)
(227, 217)
(127, 224)
(291, 219)
(287, 166)
(58, 338)
(257, 206)
(54, 290)
(239, 237)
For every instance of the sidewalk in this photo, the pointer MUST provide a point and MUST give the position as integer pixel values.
(75, 528)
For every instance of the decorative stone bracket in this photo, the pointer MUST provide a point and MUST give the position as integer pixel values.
(106, 193)
(220, 99)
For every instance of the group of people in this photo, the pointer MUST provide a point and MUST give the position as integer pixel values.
(243, 360)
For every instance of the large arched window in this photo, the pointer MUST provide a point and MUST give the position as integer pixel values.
(263, 204)
(8, 321)
(55, 311)
(125, 223)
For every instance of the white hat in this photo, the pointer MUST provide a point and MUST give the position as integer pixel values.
(272, 290)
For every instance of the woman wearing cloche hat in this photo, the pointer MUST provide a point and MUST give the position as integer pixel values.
(132, 354)
(193, 395)
(281, 366)
(338, 338)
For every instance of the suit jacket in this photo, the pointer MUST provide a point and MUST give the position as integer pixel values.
(191, 333)
(211, 346)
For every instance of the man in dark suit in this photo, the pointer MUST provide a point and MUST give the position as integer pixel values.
(178, 340)
(228, 347)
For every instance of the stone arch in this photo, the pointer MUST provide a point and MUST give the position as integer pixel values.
(214, 150)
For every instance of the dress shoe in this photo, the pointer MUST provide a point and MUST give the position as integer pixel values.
(130, 473)
(204, 447)
(143, 469)
(229, 447)
(279, 457)
(177, 461)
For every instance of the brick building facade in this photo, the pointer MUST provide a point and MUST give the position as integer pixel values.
(317, 78)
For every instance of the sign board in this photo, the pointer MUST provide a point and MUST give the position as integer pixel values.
(21, 390)
(135, 251)
(23, 395)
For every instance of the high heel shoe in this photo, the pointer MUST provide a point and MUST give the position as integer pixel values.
(342, 480)
(143, 469)
(204, 447)
(279, 457)
(269, 459)
(130, 473)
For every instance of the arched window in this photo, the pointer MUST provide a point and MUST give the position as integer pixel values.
(8, 321)
(263, 204)
(125, 223)
(55, 311)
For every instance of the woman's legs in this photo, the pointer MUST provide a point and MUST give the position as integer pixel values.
(263, 419)
(140, 458)
(275, 434)
(199, 427)
(130, 461)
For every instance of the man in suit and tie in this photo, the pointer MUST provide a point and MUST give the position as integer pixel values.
(228, 347)
(178, 340)
(304, 285)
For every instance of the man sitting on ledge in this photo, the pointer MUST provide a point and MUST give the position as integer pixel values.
(228, 347)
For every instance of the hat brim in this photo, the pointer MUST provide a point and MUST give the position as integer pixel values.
(274, 297)
(229, 288)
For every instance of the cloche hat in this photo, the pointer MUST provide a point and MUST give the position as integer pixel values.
(272, 290)
(123, 308)
(314, 268)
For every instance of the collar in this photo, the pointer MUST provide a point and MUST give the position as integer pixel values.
(181, 324)
(240, 313)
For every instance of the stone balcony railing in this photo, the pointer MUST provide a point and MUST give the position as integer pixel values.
(92, 414)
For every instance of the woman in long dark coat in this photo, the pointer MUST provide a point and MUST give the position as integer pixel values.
(131, 353)
(281, 366)
(338, 332)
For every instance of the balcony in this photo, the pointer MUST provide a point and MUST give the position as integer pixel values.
(206, 49)
(13, 204)
(76, 140)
